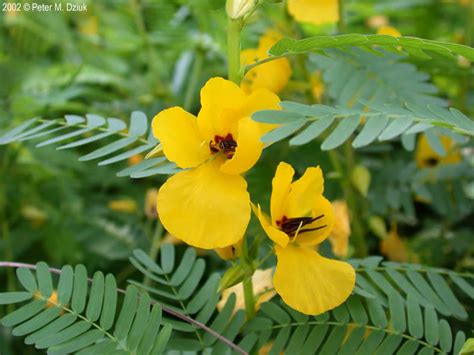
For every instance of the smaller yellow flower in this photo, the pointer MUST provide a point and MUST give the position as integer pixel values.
(426, 157)
(341, 231)
(262, 289)
(377, 21)
(125, 205)
(316, 12)
(395, 249)
(36, 216)
(317, 86)
(135, 159)
(301, 218)
(273, 75)
(388, 31)
(52, 300)
(150, 203)
(230, 252)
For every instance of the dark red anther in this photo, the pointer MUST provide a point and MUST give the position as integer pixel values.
(291, 225)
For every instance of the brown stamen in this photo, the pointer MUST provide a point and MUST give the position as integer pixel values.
(226, 145)
(292, 225)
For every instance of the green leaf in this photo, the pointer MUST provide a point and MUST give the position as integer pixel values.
(64, 335)
(147, 342)
(14, 297)
(445, 335)
(276, 313)
(397, 312)
(282, 132)
(45, 282)
(110, 304)
(313, 131)
(280, 341)
(334, 340)
(371, 343)
(79, 293)
(127, 312)
(408, 348)
(389, 345)
(415, 320)
(25, 312)
(184, 268)
(431, 325)
(77, 343)
(315, 339)
(356, 309)
(459, 342)
(162, 339)
(37, 322)
(167, 257)
(52, 328)
(353, 342)
(139, 323)
(192, 281)
(65, 285)
(27, 279)
(446, 295)
(341, 133)
(96, 297)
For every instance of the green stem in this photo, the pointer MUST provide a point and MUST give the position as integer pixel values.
(340, 24)
(249, 298)
(194, 80)
(154, 247)
(234, 27)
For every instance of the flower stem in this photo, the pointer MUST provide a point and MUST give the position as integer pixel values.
(341, 24)
(249, 298)
(234, 27)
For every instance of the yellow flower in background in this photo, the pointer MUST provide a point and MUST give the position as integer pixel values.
(377, 21)
(134, 159)
(388, 31)
(208, 206)
(426, 157)
(395, 249)
(150, 203)
(273, 75)
(51, 302)
(89, 26)
(301, 218)
(36, 216)
(125, 205)
(317, 12)
(317, 85)
(230, 252)
(262, 289)
(339, 237)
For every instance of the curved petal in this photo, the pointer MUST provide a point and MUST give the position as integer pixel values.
(205, 207)
(276, 235)
(273, 76)
(179, 136)
(304, 192)
(219, 99)
(261, 99)
(322, 207)
(310, 283)
(249, 148)
(281, 185)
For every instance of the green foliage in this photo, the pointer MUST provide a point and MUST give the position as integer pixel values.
(72, 317)
(133, 141)
(417, 47)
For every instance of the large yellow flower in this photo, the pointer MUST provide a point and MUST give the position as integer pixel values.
(317, 12)
(300, 219)
(208, 205)
(273, 75)
(427, 157)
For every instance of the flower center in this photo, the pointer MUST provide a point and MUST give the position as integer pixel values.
(225, 145)
(431, 162)
(293, 226)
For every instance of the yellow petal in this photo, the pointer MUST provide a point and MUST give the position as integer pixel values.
(178, 133)
(205, 207)
(273, 76)
(281, 185)
(316, 12)
(230, 252)
(304, 192)
(261, 99)
(426, 157)
(341, 231)
(276, 235)
(310, 283)
(321, 207)
(249, 148)
(219, 99)
(150, 203)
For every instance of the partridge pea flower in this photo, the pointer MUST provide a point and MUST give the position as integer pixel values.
(317, 12)
(207, 205)
(300, 219)
(273, 75)
(427, 157)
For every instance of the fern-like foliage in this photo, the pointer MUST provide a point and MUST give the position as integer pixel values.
(73, 318)
(414, 46)
(132, 140)
(400, 313)
(183, 287)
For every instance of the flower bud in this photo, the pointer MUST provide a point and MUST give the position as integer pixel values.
(239, 8)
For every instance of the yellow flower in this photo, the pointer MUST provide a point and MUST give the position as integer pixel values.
(389, 31)
(36, 216)
(317, 86)
(262, 289)
(395, 249)
(273, 75)
(300, 219)
(125, 205)
(317, 12)
(341, 231)
(426, 157)
(134, 159)
(230, 252)
(89, 26)
(150, 203)
(51, 302)
(208, 205)
(377, 21)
